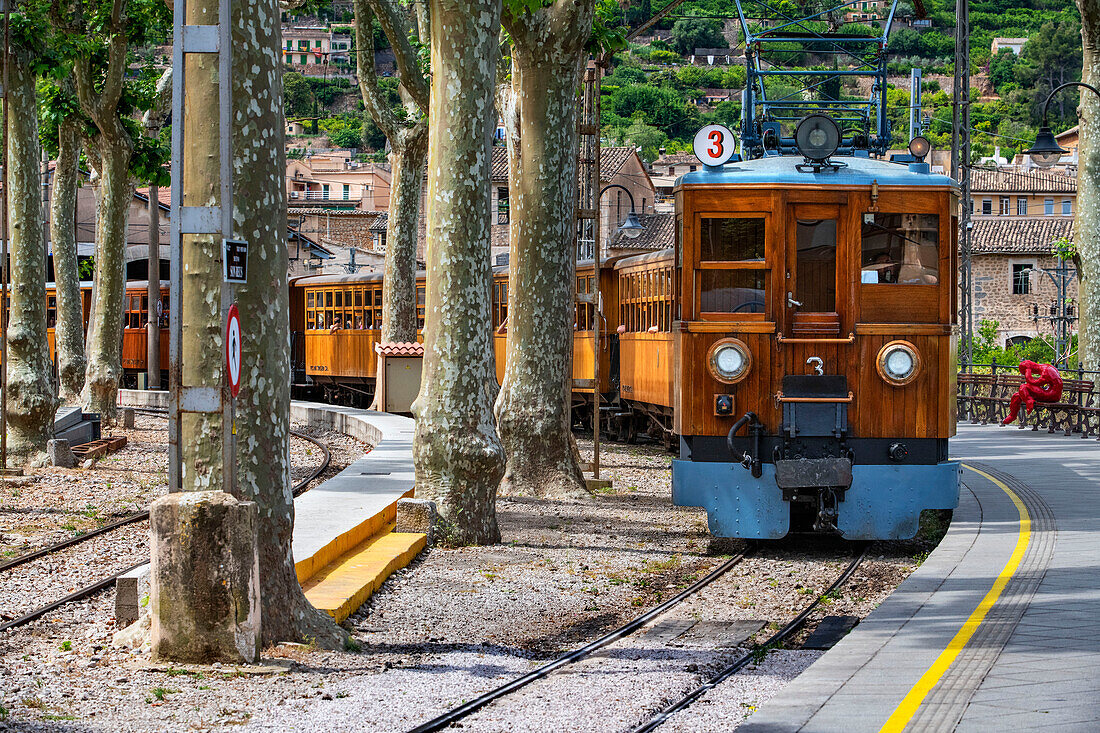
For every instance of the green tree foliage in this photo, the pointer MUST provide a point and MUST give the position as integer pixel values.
(298, 96)
(689, 34)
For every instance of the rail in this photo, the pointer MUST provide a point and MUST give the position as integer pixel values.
(849, 339)
(781, 398)
(299, 488)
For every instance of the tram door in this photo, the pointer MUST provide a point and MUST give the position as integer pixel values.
(811, 298)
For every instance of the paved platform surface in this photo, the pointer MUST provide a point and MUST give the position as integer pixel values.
(996, 631)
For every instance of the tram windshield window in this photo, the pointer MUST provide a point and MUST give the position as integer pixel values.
(731, 240)
(732, 291)
(900, 249)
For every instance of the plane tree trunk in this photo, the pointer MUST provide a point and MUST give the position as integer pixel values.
(263, 407)
(69, 331)
(533, 406)
(1086, 225)
(458, 457)
(32, 399)
(99, 99)
(408, 138)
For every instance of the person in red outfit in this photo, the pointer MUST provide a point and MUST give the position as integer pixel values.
(1042, 383)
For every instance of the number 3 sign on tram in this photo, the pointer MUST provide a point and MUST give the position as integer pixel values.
(714, 145)
(233, 349)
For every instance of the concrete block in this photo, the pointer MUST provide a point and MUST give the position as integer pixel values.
(418, 515)
(127, 417)
(204, 579)
(131, 596)
(60, 454)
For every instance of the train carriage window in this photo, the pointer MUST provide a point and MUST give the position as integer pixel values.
(51, 312)
(377, 307)
(900, 249)
(732, 271)
(420, 306)
(731, 240)
(164, 310)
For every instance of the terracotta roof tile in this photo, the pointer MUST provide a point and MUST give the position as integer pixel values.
(682, 158)
(611, 161)
(657, 235)
(1018, 236)
(1007, 181)
(400, 348)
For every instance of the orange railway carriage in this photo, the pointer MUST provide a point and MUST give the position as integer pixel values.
(814, 346)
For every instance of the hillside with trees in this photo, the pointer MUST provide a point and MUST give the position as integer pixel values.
(655, 95)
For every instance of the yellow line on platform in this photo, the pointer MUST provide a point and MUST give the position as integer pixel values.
(912, 702)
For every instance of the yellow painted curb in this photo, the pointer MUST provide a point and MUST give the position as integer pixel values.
(346, 583)
(310, 566)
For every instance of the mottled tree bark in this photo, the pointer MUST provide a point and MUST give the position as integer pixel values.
(99, 100)
(458, 457)
(69, 332)
(263, 407)
(32, 400)
(408, 140)
(533, 407)
(1086, 225)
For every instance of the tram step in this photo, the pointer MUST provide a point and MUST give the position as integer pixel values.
(584, 383)
(347, 582)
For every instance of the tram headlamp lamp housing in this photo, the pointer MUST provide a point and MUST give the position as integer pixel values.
(817, 137)
(729, 360)
(919, 147)
(898, 363)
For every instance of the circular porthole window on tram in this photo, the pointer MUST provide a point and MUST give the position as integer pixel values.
(898, 363)
(729, 360)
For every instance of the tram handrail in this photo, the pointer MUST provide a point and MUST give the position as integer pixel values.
(781, 339)
(780, 398)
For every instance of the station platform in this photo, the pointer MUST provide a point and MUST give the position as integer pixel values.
(996, 629)
(344, 544)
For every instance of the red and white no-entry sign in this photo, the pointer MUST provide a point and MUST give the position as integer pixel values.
(233, 349)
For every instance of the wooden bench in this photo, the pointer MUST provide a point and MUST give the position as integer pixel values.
(1075, 412)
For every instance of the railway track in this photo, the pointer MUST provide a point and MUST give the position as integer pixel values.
(468, 708)
(90, 590)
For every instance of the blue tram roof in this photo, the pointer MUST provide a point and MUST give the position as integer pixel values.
(856, 171)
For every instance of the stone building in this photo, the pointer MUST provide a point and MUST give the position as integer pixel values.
(618, 166)
(334, 180)
(1017, 216)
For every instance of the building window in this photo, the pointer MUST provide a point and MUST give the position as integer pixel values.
(301, 58)
(987, 206)
(1021, 278)
(347, 192)
(1005, 206)
(502, 206)
(1048, 207)
(672, 170)
(1067, 207)
(1021, 206)
(324, 191)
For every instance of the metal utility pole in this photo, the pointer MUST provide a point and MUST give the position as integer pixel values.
(152, 352)
(914, 102)
(960, 171)
(588, 231)
(4, 248)
(197, 42)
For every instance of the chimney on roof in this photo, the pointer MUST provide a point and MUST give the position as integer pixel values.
(661, 151)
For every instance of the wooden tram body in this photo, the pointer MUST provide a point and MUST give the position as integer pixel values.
(821, 278)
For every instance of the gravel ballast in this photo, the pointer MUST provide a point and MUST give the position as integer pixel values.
(458, 622)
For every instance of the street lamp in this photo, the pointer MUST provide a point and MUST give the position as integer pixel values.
(631, 228)
(1045, 152)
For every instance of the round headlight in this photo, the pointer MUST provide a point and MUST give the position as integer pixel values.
(898, 363)
(729, 360)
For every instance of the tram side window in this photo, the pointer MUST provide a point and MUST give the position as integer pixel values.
(500, 303)
(900, 249)
(420, 304)
(377, 308)
(51, 312)
(164, 301)
(645, 300)
(733, 276)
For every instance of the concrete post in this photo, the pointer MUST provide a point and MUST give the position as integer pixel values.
(205, 579)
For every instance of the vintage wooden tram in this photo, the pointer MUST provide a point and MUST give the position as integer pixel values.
(798, 344)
